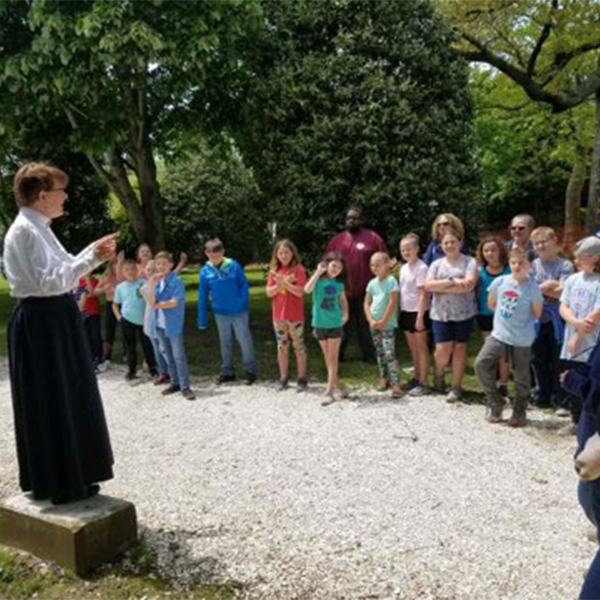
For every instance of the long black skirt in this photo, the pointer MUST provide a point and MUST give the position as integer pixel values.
(62, 440)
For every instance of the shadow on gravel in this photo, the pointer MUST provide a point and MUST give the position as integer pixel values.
(177, 554)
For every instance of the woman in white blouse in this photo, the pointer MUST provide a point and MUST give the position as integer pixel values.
(63, 447)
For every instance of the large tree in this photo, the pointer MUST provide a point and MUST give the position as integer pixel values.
(127, 75)
(550, 49)
(356, 101)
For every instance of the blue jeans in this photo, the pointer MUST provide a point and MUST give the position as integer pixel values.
(227, 326)
(161, 362)
(173, 350)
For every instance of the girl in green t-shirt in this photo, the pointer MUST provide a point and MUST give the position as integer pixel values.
(329, 314)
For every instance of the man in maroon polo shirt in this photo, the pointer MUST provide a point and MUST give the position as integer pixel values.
(357, 244)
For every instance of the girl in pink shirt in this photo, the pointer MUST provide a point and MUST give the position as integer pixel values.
(285, 286)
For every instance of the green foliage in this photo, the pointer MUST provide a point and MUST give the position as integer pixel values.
(211, 193)
(359, 102)
(525, 151)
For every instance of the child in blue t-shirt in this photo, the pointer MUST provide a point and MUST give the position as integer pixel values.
(329, 314)
(381, 310)
(129, 308)
(517, 302)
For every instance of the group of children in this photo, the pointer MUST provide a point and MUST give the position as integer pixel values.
(536, 316)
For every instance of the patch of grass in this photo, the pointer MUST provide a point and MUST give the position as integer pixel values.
(202, 347)
(133, 576)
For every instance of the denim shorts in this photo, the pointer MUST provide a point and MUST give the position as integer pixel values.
(332, 333)
(451, 331)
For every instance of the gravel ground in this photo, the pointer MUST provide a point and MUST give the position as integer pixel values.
(294, 500)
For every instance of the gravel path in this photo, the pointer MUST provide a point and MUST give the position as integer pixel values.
(293, 500)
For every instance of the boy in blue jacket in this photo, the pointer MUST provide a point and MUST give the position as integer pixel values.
(223, 283)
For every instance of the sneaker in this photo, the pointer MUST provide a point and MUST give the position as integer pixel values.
(419, 390)
(284, 384)
(172, 389)
(454, 395)
(104, 366)
(302, 385)
(568, 430)
(503, 389)
(563, 412)
(494, 414)
(517, 420)
(329, 399)
(131, 377)
(409, 385)
(249, 378)
(188, 394)
(225, 378)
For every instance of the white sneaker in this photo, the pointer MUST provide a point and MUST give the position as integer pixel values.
(563, 412)
(104, 366)
(454, 395)
(567, 430)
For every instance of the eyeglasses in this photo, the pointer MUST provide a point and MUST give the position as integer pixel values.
(540, 242)
(443, 224)
(517, 227)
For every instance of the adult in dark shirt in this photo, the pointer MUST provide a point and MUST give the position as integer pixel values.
(520, 229)
(357, 244)
(442, 224)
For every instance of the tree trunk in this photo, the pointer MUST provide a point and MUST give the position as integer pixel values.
(152, 206)
(594, 193)
(573, 195)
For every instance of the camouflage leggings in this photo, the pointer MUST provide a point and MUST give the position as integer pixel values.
(385, 347)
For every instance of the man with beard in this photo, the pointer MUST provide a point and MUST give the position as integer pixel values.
(357, 244)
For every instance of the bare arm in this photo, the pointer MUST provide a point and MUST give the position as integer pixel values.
(183, 258)
(166, 304)
(344, 305)
(391, 307)
(367, 309)
(117, 311)
(310, 286)
(491, 300)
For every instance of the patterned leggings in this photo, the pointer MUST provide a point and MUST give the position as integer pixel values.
(385, 346)
(286, 331)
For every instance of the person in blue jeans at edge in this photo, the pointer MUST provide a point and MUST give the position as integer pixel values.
(583, 380)
(166, 295)
(224, 286)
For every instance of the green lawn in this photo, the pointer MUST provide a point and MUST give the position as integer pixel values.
(203, 346)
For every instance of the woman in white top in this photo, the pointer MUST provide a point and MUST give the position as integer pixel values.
(63, 447)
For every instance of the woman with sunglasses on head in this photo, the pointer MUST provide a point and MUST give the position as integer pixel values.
(443, 223)
(520, 228)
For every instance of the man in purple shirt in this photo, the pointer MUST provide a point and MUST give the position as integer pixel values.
(357, 244)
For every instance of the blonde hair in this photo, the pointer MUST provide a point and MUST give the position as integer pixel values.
(411, 237)
(543, 232)
(455, 223)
